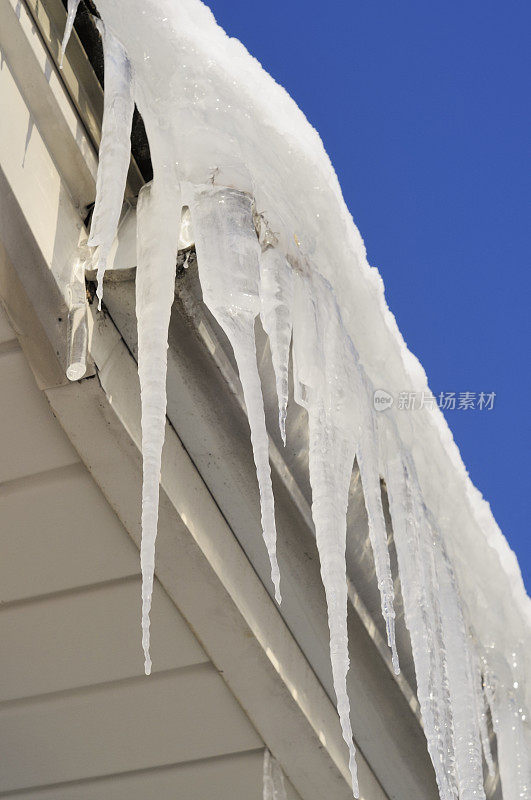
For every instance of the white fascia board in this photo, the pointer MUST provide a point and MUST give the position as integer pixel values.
(53, 114)
(47, 170)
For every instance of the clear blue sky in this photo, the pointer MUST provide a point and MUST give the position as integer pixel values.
(424, 109)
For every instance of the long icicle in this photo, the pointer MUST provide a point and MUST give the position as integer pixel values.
(228, 261)
(115, 150)
(317, 359)
(450, 672)
(368, 457)
(421, 613)
(467, 743)
(330, 479)
(439, 673)
(158, 221)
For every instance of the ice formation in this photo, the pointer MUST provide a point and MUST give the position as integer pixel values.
(115, 149)
(70, 17)
(275, 240)
(228, 257)
(273, 779)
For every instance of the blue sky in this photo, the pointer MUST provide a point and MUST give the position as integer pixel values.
(424, 109)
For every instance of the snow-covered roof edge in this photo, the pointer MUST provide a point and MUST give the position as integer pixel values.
(220, 131)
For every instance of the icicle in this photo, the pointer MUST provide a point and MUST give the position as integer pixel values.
(445, 675)
(511, 726)
(331, 460)
(228, 260)
(331, 457)
(77, 322)
(438, 677)
(158, 221)
(481, 712)
(70, 17)
(367, 457)
(343, 387)
(467, 746)
(422, 612)
(115, 150)
(276, 297)
(273, 779)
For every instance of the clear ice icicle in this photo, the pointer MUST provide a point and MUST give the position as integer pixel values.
(467, 745)
(273, 779)
(368, 463)
(276, 300)
(422, 613)
(115, 149)
(70, 17)
(77, 323)
(481, 711)
(228, 255)
(510, 721)
(433, 614)
(331, 460)
(318, 357)
(158, 221)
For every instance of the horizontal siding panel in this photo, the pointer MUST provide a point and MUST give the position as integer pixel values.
(230, 778)
(58, 532)
(32, 440)
(167, 718)
(89, 637)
